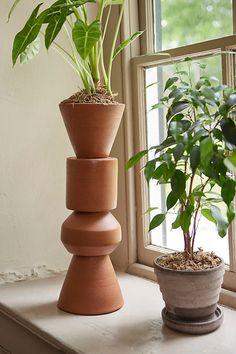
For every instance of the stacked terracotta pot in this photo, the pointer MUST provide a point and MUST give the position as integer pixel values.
(91, 232)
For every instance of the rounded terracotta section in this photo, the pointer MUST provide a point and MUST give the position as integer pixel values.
(91, 234)
(92, 128)
(91, 184)
(90, 287)
(190, 294)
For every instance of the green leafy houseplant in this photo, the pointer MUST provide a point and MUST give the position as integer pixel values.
(85, 39)
(197, 157)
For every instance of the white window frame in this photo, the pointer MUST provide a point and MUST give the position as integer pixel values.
(141, 252)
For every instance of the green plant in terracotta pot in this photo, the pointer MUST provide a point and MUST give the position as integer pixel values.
(196, 160)
(92, 118)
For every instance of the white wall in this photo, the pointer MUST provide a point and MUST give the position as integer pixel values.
(33, 151)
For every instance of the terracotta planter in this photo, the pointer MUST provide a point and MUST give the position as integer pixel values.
(91, 232)
(191, 298)
(91, 184)
(92, 128)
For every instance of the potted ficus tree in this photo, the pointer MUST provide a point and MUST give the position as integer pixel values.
(196, 160)
(92, 118)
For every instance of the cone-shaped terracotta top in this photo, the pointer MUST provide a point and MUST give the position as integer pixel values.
(92, 128)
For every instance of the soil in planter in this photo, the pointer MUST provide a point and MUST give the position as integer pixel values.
(200, 261)
(100, 96)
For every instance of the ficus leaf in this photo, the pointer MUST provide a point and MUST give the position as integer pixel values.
(222, 224)
(170, 82)
(178, 183)
(171, 200)
(195, 157)
(135, 159)
(149, 169)
(178, 151)
(86, 36)
(228, 191)
(156, 221)
(230, 162)
(206, 151)
(228, 128)
(126, 42)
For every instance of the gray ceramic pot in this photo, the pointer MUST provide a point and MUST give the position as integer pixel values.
(191, 297)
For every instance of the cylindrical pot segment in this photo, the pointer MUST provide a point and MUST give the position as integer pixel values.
(91, 234)
(190, 294)
(91, 184)
(92, 128)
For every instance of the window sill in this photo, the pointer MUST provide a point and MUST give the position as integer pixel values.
(136, 328)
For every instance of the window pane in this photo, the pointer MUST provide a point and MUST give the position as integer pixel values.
(183, 22)
(164, 236)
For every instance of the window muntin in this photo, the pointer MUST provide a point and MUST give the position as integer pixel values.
(183, 22)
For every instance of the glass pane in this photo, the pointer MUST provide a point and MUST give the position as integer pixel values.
(182, 22)
(164, 236)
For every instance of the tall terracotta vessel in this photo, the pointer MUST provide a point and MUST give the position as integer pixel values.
(91, 232)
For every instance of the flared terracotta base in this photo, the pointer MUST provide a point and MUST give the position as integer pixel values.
(90, 287)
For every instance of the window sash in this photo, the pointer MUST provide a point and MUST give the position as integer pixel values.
(146, 251)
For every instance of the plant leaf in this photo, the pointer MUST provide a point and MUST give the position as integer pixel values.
(208, 215)
(126, 42)
(28, 34)
(230, 162)
(16, 2)
(55, 26)
(178, 151)
(228, 128)
(86, 36)
(149, 169)
(195, 157)
(156, 221)
(206, 151)
(31, 51)
(171, 200)
(170, 82)
(222, 224)
(228, 191)
(135, 159)
(178, 183)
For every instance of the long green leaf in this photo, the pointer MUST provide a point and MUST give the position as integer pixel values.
(126, 42)
(28, 34)
(86, 36)
(31, 51)
(54, 27)
(16, 2)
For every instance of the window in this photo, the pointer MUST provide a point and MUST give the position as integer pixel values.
(204, 31)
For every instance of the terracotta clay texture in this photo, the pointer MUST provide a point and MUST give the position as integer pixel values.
(90, 287)
(91, 184)
(92, 128)
(190, 295)
(91, 234)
